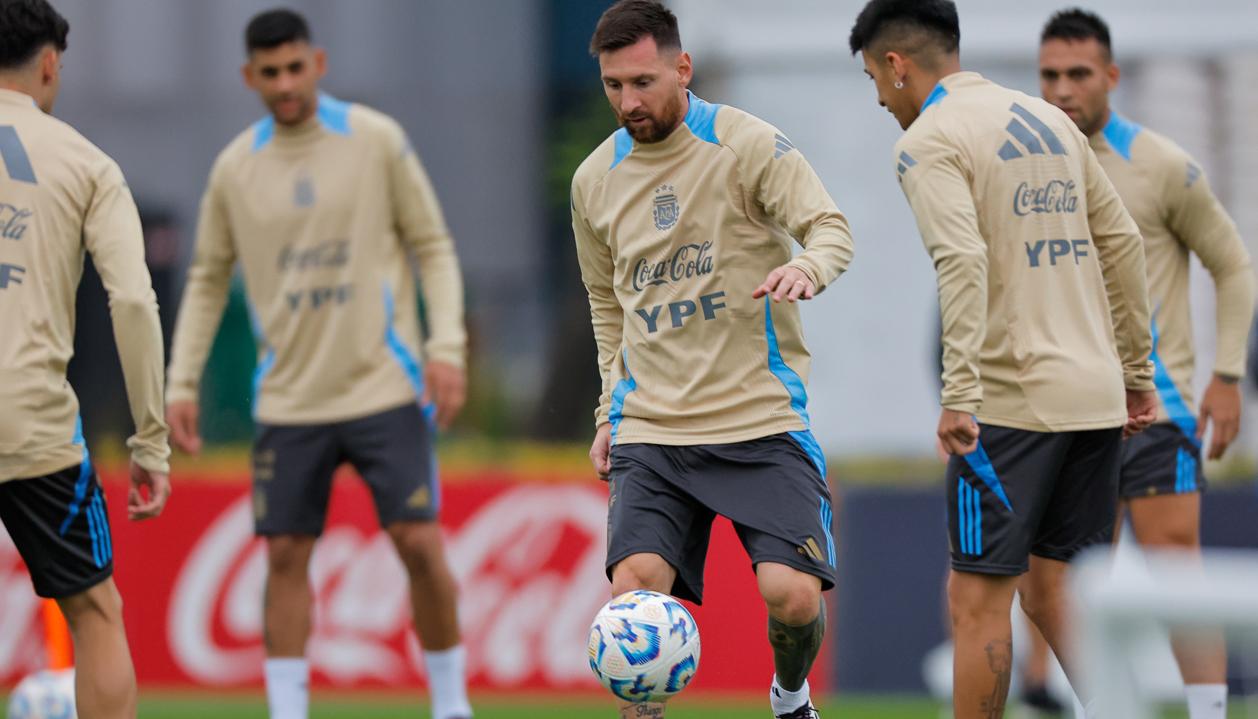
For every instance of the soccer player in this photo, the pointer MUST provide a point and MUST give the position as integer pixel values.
(1167, 195)
(325, 204)
(1041, 273)
(60, 196)
(684, 220)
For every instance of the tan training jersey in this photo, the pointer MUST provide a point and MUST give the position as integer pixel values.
(324, 219)
(61, 196)
(1041, 271)
(1167, 195)
(673, 237)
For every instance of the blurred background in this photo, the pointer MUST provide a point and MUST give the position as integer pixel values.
(502, 101)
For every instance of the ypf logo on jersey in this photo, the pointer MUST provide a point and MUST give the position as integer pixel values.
(665, 207)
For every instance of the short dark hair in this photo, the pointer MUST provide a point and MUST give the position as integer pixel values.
(882, 18)
(1077, 24)
(628, 21)
(274, 28)
(28, 26)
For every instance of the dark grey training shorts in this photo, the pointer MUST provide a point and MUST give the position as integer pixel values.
(293, 467)
(664, 499)
(1161, 460)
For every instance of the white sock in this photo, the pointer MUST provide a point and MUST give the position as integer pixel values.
(447, 683)
(784, 702)
(288, 687)
(1206, 701)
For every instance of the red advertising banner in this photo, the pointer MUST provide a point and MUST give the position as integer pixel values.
(528, 557)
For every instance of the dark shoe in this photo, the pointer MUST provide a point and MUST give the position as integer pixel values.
(1037, 697)
(807, 711)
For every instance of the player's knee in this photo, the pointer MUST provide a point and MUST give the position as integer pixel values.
(99, 603)
(288, 556)
(794, 600)
(976, 600)
(642, 571)
(418, 545)
(1041, 606)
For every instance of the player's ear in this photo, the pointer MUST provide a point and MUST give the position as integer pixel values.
(49, 65)
(320, 62)
(1112, 74)
(685, 69)
(246, 74)
(897, 63)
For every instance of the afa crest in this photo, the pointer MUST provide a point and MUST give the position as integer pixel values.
(304, 191)
(665, 207)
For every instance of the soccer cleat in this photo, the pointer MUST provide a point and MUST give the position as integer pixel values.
(807, 711)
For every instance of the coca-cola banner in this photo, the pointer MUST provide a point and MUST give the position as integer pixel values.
(528, 557)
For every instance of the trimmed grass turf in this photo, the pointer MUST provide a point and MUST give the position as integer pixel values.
(176, 706)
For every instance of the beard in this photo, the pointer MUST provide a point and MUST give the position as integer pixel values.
(657, 127)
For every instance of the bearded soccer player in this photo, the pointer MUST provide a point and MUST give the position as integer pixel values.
(1167, 194)
(1041, 272)
(324, 205)
(61, 196)
(684, 220)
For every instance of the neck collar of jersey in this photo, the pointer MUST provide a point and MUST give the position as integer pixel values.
(937, 94)
(1120, 132)
(700, 120)
(331, 115)
(16, 97)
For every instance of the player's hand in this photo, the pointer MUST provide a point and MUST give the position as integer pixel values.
(1221, 406)
(184, 418)
(157, 487)
(786, 282)
(958, 432)
(445, 386)
(1142, 409)
(601, 450)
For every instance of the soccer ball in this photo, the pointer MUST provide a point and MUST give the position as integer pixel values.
(644, 646)
(44, 695)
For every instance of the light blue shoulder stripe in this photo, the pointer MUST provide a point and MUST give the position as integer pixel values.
(701, 118)
(334, 114)
(1120, 133)
(624, 145)
(939, 93)
(263, 131)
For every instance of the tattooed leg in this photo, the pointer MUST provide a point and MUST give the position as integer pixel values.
(983, 643)
(795, 648)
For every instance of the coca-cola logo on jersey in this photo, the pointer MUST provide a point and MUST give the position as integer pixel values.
(689, 260)
(13, 221)
(529, 563)
(1056, 197)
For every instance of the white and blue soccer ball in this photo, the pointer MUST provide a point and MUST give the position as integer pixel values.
(644, 646)
(44, 695)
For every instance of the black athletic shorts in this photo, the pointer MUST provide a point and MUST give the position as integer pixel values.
(1161, 460)
(60, 527)
(664, 499)
(293, 467)
(1051, 494)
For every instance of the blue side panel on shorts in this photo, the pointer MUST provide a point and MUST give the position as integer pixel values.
(1172, 400)
(626, 385)
(98, 527)
(794, 385)
(983, 469)
(401, 353)
(1185, 472)
(85, 476)
(827, 524)
(701, 118)
(969, 518)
